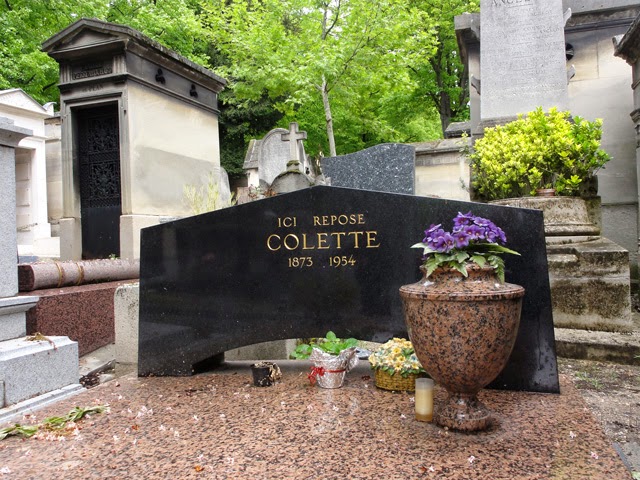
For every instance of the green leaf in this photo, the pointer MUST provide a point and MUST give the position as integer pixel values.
(479, 260)
(331, 336)
(461, 257)
(461, 268)
(18, 430)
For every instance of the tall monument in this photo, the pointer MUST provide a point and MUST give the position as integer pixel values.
(522, 57)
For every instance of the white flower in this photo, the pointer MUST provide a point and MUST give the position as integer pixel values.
(471, 459)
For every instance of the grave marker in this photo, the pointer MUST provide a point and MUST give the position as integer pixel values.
(389, 167)
(523, 57)
(319, 259)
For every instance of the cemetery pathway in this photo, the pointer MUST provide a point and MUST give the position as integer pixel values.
(612, 392)
(219, 426)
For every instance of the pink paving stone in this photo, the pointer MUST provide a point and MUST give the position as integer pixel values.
(219, 426)
(84, 313)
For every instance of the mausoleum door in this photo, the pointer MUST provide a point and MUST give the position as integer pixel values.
(98, 147)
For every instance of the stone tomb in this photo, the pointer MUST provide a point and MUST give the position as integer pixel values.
(299, 264)
(389, 167)
(139, 123)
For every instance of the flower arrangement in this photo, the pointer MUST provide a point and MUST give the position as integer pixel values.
(538, 151)
(472, 240)
(396, 356)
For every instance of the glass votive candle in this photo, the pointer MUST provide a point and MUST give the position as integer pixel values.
(424, 399)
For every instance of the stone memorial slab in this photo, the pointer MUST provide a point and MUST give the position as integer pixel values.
(324, 258)
(389, 167)
(273, 155)
(523, 57)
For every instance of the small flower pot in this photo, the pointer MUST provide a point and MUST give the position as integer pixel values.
(328, 371)
(265, 374)
(545, 192)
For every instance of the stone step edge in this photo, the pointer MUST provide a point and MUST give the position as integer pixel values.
(622, 348)
(14, 413)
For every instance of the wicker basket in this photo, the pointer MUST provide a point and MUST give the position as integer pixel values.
(396, 382)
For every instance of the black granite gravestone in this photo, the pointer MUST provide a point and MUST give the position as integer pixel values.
(324, 258)
(389, 167)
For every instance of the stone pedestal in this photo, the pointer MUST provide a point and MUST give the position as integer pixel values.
(28, 367)
(589, 274)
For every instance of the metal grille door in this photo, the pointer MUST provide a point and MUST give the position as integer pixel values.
(98, 146)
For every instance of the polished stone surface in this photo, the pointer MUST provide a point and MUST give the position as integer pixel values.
(227, 279)
(219, 426)
(389, 167)
(85, 314)
(54, 274)
(463, 331)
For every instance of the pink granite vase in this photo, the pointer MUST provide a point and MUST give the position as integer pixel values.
(463, 330)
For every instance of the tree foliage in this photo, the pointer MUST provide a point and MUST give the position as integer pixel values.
(442, 79)
(26, 24)
(352, 73)
(326, 63)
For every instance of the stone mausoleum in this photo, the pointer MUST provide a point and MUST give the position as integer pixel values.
(34, 231)
(597, 85)
(139, 122)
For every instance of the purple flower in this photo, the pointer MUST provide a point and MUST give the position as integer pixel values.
(468, 230)
(443, 242)
(461, 239)
(430, 231)
(482, 222)
(473, 232)
(463, 219)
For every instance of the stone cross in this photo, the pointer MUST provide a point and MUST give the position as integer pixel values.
(292, 137)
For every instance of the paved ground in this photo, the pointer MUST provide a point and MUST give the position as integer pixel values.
(219, 426)
(612, 392)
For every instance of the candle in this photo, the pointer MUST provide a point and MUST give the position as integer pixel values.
(424, 399)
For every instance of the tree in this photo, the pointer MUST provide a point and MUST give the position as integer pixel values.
(341, 54)
(26, 24)
(443, 79)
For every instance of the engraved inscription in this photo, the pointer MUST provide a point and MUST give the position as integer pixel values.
(93, 88)
(92, 70)
(346, 235)
(511, 3)
(523, 56)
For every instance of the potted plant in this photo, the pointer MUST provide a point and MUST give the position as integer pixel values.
(462, 318)
(396, 365)
(537, 152)
(265, 373)
(332, 358)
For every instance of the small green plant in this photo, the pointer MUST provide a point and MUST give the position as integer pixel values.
(587, 378)
(537, 151)
(205, 198)
(330, 344)
(50, 423)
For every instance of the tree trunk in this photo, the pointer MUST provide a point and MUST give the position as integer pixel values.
(444, 108)
(329, 119)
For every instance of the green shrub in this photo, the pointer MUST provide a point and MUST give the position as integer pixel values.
(537, 151)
